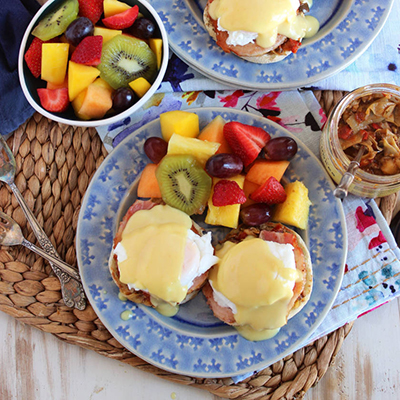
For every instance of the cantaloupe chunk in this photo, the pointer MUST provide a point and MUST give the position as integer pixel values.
(214, 132)
(263, 169)
(140, 86)
(77, 104)
(112, 7)
(79, 78)
(156, 45)
(182, 123)
(96, 102)
(106, 33)
(200, 149)
(227, 215)
(249, 188)
(295, 209)
(148, 184)
(54, 62)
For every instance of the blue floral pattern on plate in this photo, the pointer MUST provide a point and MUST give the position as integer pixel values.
(194, 342)
(348, 27)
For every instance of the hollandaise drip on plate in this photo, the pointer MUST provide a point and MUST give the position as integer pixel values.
(264, 18)
(160, 255)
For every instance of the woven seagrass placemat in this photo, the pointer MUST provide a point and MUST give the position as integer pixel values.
(54, 166)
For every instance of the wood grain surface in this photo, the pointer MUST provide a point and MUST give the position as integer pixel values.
(37, 366)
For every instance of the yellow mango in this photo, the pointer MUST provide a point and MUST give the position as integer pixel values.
(200, 149)
(214, 132)
(295, 209)
(140, 86)
(112, 7)
(156, 45)
(227, 215)
(54, 62)
(106, 33)
(182, 123)
(79, 78)
(77, 104)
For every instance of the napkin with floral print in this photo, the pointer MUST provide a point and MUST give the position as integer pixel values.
(372, 272)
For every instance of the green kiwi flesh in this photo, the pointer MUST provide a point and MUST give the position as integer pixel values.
(56, 23)
(183, 183)
(124, 59)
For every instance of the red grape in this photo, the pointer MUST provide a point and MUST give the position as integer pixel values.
(256, 214)
(79, 29)
(123, 98)
(143, 28)
(280, 148)
(224, 165)
(155, 148)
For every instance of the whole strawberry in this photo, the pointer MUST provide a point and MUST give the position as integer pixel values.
(227, 193)
(271, 192)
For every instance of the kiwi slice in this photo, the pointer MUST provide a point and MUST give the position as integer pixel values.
(124, 59)
(183, 183)
(56, 23)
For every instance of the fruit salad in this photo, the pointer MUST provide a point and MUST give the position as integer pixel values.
(97, 56)
(232, 170)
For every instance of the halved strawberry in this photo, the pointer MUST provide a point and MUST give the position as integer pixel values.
(122, 20)
(227, 192)
(271, 192)
(54, 100)
(91, 9)
(33, 57)
(88, 51)
(245, 140)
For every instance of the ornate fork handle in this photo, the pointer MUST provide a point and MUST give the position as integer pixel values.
(71, 287)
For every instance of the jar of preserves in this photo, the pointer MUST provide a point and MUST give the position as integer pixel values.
(368, 116)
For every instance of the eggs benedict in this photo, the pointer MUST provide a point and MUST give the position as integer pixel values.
(259, 31)
(263, 278)
(160, 257)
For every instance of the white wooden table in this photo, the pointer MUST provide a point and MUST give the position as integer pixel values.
(37, 366)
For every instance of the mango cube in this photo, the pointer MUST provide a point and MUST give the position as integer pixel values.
(156, 45)
(182, 123)
(77, 104)
(106, 33)
(295, 209)
(54, 62)
(214, 132)
(112, 7)
(197, 148)
(140, 86)
(227, 215)
(79, 78)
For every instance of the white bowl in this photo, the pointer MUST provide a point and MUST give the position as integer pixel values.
(30, 84)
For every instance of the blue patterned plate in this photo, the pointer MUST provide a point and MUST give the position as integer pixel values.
(194, 342)
(348, 27)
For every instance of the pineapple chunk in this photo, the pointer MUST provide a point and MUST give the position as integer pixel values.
(227, 215)
(54, 62)
(182, 123)
(295, 209)
(195, 147)
(107, 33)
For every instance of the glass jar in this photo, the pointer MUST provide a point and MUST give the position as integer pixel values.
(336, 161)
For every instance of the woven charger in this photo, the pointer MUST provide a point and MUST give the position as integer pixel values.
(54, 166)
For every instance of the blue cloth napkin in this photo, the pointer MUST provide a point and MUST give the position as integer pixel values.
(15, 16)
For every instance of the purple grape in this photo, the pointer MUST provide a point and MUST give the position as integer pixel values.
(255, 214)
(280, 148)
(143, 28)
(79, 29)
(224, 165)
(123, 99)
(155, 148)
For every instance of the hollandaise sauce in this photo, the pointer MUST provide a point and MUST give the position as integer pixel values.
(266, 18)
(151, 254)
(257, 278)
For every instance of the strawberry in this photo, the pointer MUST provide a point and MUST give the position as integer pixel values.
(271, 192)
(33, 57)
(88, 51)
(122, 20)
(91, 9)
(227, 193)
(54, 100)
(245, 140)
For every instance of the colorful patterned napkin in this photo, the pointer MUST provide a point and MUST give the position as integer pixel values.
(373, 269)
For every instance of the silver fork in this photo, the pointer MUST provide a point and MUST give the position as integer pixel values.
(71, 287)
